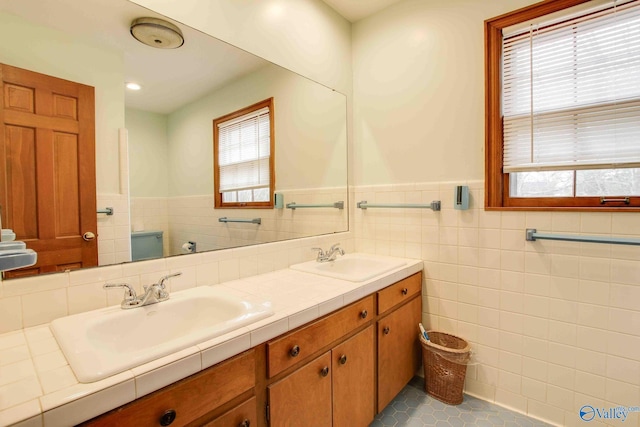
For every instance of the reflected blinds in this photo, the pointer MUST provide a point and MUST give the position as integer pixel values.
(244, 150)
(571, 92)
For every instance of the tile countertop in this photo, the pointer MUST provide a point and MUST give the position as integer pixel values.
(38, 387)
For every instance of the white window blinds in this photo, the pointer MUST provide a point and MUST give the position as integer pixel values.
(244, 145)
(571, 92)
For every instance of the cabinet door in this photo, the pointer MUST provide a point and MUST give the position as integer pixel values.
(353, 386)
(243, 415)
(304, 397)
(398, 350)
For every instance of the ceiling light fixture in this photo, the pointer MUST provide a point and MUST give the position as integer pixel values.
(156, 32)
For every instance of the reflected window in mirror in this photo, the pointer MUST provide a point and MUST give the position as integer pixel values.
(243, 157)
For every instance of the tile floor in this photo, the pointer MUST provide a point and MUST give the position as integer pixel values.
(414, 408)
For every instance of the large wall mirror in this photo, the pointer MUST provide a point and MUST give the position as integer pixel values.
(154, 146)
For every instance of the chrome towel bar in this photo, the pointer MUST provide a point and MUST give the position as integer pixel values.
(108, 211)
(337, 205)
(434, 206)
(532, 235)
(243, 220)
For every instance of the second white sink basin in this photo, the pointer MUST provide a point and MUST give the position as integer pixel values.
(104, 342)
(351, 267)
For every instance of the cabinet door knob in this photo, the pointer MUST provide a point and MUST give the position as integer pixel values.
(168, 417)
(325, 371)
(343, 359)
(364, 314)
(245, 423)
(386, 330)
(405, 291)
(295, 350)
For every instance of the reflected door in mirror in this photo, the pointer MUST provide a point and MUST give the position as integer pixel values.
(47, 149)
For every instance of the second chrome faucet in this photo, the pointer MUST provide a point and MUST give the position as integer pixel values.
(152, 293)
(329, 255)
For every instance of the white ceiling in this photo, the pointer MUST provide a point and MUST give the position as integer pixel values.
(170, 78)
(354, 10)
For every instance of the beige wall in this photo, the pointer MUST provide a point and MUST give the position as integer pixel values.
(54, 53)
(148, 153)
(418, 70)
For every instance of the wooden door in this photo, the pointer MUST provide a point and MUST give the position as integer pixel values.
(304, 397)
(47, 168)
(353, 382)
(398, 350)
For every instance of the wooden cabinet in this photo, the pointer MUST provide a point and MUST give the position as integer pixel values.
(303, 398)
(188, 400)
(398, 349)
(353, 380)
(243, 415)
(293, 347)
(336, 388)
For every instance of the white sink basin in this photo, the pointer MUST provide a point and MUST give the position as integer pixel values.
(351, 267)
(104, 342)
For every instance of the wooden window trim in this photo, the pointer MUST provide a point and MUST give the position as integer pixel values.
(496, 182)
(219, 204)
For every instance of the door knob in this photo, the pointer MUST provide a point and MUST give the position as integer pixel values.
(88, 236)
(343, 359)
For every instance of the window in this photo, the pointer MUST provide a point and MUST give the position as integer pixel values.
(243, 161)
(563, 106)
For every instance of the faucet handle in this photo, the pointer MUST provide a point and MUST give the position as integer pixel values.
(167, 277)
(129, 292)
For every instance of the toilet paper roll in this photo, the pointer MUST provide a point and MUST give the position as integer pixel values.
(187, 248)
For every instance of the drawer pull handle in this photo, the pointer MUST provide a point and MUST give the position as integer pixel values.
(168, 417)
(245, 423)
(405, 291)
(364, 314)
(386, 330)
(295, 350)
(325, 371)
(343, 359)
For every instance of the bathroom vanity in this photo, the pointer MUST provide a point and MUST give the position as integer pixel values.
(340, 369)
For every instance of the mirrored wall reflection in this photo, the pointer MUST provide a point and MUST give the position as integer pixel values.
(168, 184)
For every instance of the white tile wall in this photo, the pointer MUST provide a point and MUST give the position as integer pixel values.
(554, 325)
(194, 219)
(114, 230)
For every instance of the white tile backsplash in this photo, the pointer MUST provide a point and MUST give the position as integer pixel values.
(557, 324)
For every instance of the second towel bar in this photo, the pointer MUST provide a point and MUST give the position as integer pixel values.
(337, 205)
(243, 220)
(434, 206)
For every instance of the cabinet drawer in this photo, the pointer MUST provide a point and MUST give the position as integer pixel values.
(243, 415)
(294, 347)
(399, 292)
(190, 398)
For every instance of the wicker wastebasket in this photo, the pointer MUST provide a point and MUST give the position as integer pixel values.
(445, 358)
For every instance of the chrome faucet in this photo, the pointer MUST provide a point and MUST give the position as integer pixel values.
(152, 294)
(329, 255)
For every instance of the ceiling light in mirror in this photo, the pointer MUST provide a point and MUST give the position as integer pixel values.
(133, 86)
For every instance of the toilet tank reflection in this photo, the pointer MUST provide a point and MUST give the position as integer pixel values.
(146, 245)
